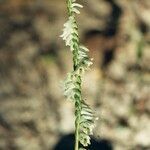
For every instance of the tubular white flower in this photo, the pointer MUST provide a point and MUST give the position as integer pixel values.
(75, 7)
(68, 31)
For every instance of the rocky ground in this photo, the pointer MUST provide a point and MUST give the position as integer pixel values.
(33, 62)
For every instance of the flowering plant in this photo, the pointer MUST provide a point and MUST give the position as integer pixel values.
(85, 118)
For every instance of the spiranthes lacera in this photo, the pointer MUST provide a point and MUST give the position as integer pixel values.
(85, 118)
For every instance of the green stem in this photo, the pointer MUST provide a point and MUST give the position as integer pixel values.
(76, 134)
(69, 2)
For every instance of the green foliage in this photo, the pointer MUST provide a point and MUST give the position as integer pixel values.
(85, 118)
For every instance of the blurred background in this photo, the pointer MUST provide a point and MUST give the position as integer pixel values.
(34, 115)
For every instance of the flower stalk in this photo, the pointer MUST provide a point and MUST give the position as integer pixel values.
(85, 118)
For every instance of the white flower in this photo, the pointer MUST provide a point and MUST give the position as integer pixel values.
(84, 139)
(74, 9)
(68, 31)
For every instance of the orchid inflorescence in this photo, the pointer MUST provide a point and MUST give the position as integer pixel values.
(85, 118)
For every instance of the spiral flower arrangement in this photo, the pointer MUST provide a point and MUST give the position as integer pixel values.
(84, 116)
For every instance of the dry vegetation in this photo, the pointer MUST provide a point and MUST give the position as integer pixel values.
(33, 61)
